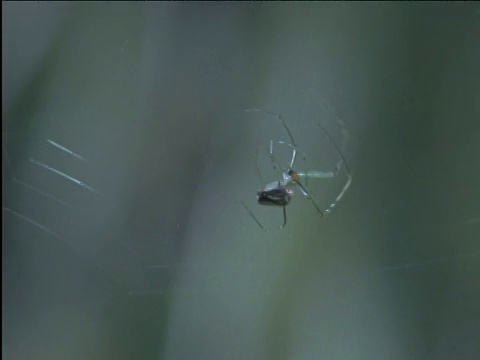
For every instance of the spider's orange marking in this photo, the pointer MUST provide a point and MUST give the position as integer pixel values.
(294, 175)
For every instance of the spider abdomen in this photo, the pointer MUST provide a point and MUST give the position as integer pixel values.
(274, 194)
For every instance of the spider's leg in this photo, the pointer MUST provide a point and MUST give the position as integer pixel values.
(294, 155)
(284, 124)
(306, 167)
(275, 165)
(288, 132)
(254, 217)
(272, 158)
(341, 161)
(307, 173)
(307, 195)
(262, 180)
(292, 144)
(327, 174)
(284, 216)
(280, 118)
(260, 177)
(258, 221)
(316, 206)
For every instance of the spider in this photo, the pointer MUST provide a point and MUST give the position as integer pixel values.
(279, 193)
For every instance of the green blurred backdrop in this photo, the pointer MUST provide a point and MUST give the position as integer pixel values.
(161, 261)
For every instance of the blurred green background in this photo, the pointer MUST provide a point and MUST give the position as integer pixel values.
(161, 261)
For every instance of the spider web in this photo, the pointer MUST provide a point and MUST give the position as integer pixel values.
(49, 190)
